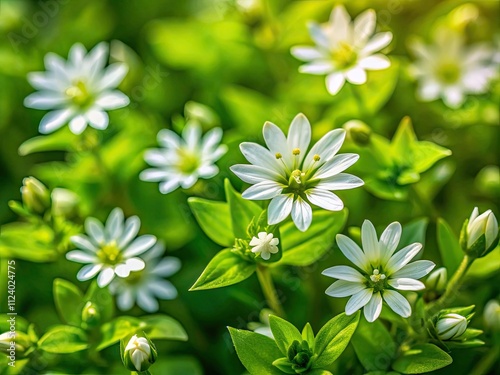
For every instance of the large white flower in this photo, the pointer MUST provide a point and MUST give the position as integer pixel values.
(79, 90)
(145, 286)
(181, 161)
(344, 50)
(380, 272)
(111, 249)
(450, 70)
(292, 177)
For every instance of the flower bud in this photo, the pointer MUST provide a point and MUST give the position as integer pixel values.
(139, 354)
(451, 326)
(358, 131)
(91, 316)
(437, 280)
(64, 202)
(480, 234)
(201, 113)
(492, 315)
(36, 197)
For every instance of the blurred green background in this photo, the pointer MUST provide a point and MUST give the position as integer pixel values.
(233, 56)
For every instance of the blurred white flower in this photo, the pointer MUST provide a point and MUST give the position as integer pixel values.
(145, 286)
(451, 326)
(491, 315)
(344, 50)
(292, 177)
(451, 70)
(181, 161)
(265, 245)
(382, 271)
(111, 249)
(486, 224)
(79, 90)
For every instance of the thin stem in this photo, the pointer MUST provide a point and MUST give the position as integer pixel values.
(453, 286)
(355, 94)
(267, 285)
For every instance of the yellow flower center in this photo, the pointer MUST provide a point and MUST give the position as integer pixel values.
(189, 162)
(110, 253)
(344, 56)
(79, 94)
(448, 72)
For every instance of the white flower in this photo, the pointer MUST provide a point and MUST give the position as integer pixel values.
(181, 161)
(486, 224)
(145, 286)
(265, 245)
(382, 271)
(79, 90)
(449, 70)
(138, 355)
(111, 249)
(451, 326)
(344, 50)
(294, 178)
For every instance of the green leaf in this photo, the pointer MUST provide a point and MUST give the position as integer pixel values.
(422, 358)
(117, 329)
(215, 220)
(27, 241)
(449, 247)
(403, 142)
(255, 351)
(163, 327)
(63, 140)
(413, 232)
(63, 339)
(225, 268)
(305, 248)
(308, 335)
(102, 299)
(333, 338)
(242, 211)
(373, 345)
(284, 333)
(473, 343)
(319, 371)
(426, 154)
(69, 302)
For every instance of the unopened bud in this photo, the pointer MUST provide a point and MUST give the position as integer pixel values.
(451, 326)
(358, 132)
(479, 234)
(36, 197)
(91, 317)
(492, 315)
(139, 354)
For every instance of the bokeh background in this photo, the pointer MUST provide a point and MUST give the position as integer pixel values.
(233, 56)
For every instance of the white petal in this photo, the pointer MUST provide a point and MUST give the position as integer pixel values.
(135, 264)
(167, 267)
(299, 135)
(113, 75)
(132, 226)
(389, 241)
(276, 141)
(334, 82)
(342, 288)
(81, 256)
(305, 53)
(453, 97)
(415, 270)
(95, 229)
(318, 35)
(324, 199)
(96, 59)
(125, 299)
(57, 65)
(279, 208)
(428, 90)
(344, 273)
(341, 181)
(358, 300)
(114, 224)
(340, 22)
(45, 81)
(335, 165)
(301, 214)
(356, 76)
(44, 100)
(406, 284)
(163, 289)
(122, 270)
(154, 175)
(54, 120)
(364, 26)
(192, 135)
(397, 303)
(375, 62)
(211, 139)
(169, 186)
(147, 302)
(97, 119)
(88, 271)
(105, 277)
(402, 258)
(373, 308)
(377, 42)
(261, 156)
(77, 54)
(317, 67)
(326, 147)
(139, 245)
(83, 242)
(168, 139)
(112, 100)
(370, 243)
(263, 190)
(254, 174)
(208, 171)
(352, 252)
(78, 124)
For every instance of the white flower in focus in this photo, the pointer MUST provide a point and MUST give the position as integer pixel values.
(139, 354)
(486, 224)
(344, 50)
(181, 161)
(111, 249)
(380, 272)
(451, 326)
(450, 70)
(145, 286)
(265, 245)
(79, 90)
(292, 177)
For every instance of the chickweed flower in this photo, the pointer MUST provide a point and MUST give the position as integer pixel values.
(380, 272)
(344, 50)
(451, 326)
(111, 249)
(182, 161)
(479, 235)
(79, 90)
(294, 178)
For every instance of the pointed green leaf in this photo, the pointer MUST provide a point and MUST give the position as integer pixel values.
(413, 232)
(62, 140)
(449, 247)
(117, 329)
(256, 352)
(403, 141)
(426, 154)
(69, 302)
(225, 268)
(308, 335)
(163, 327)
(333, 338)
(422, 358)
(63, 339)
(284, 333)
(215, 220)
(242, 210)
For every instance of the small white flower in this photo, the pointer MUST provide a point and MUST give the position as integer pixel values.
(265, 245)
(181, 161)
(79, 90)
(344, 50)
(383, 271)
(145, 286)
(491, 315)
(292, 177)
(138, 354)
(486, 224)
(111, 249)
(450, 70)
(451, 326)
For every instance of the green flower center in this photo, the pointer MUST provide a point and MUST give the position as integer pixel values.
(80, 95)
(344, 56)
(189, 162)
(110, 254)
(300, 356)
(378, 281)
(448, 72)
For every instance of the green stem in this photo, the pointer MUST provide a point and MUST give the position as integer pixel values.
(452, 288)
(487, 362)
(361, 105)
(267, 285)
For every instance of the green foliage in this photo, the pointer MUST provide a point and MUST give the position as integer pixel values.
(214, 219)
(420, 359)
(63, 339)
(66, 297)
(449, 248)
